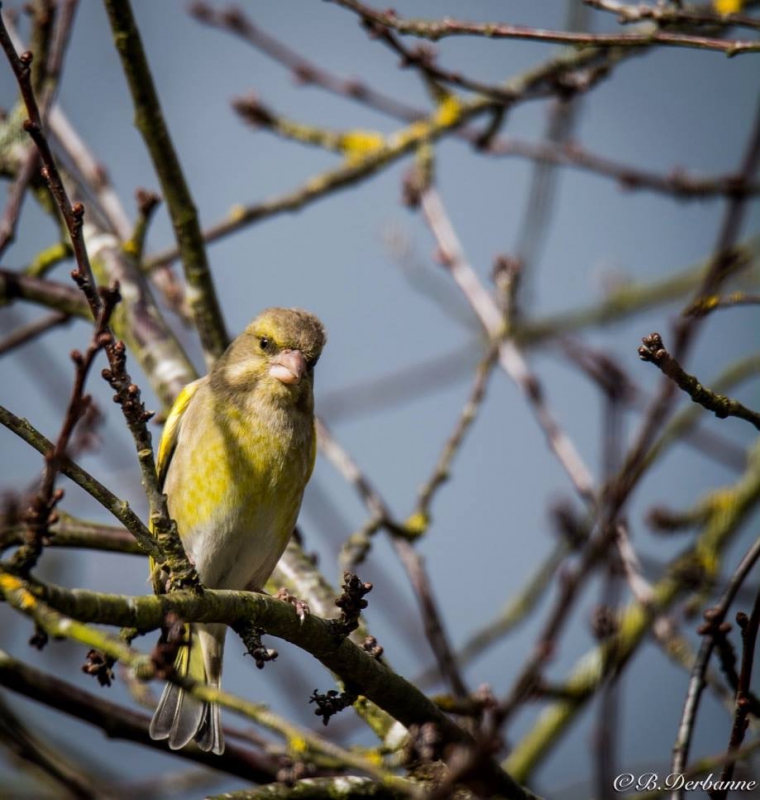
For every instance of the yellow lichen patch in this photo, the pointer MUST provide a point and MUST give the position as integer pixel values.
(630, 622)
(357, 144)
(708, 560)
(728, 6)
(130, 248)
(27, 600)
(417, 523)
(708, 303)
(722, 501)
(237, 212)
(449, 110)
(298, 745)
(417, 131)
(9, 583)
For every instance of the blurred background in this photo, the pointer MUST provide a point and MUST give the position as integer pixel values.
(365, 265)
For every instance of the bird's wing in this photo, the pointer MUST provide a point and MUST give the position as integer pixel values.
(313, 454)
(171, 430)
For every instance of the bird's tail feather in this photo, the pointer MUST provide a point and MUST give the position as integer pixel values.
(180, 717)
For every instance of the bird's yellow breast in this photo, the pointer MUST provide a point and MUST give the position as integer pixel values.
(235, 484)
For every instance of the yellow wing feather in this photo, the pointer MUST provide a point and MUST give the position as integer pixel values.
(171, 430)
(167, 445)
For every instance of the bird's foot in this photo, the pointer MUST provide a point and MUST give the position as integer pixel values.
(301, 606)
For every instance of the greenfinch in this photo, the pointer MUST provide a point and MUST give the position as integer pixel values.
(237, 450)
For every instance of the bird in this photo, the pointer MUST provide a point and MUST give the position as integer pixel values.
(237, 450)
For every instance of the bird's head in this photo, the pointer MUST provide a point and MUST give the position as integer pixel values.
(275, 355)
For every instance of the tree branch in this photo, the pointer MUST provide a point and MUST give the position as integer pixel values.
(653, 351)
(150, 122)
(119, 508)
(121, 723)
(438, 29)
(730, 508)
(61, 612)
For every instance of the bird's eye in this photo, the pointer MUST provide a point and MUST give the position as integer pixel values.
(264, 343)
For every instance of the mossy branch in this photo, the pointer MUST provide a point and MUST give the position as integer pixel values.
(344, 786)
(630, 299)
(150, 121)
(64, 612)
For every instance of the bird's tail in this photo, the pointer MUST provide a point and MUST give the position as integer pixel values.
(180, 717)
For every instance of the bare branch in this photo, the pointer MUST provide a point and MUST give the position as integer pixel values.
(510, 358)
(33, 330)
(653, 350)
(714, 617)
(675, 13)
(438, 29)
(121, 723)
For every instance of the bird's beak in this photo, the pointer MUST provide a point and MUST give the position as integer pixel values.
(288, 367)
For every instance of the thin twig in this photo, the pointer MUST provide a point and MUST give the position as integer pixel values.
(435, 630)
(357, 547)
(510, 357)
(33, 330)
(235, 21)
(16, 195)
(121, 723)
(41, 513)
(749, 626)
(150, 121)
(119, 508)
(630, 298)
(538, 211)
(73, 780)
(92, 172)
(34, 126)
(697, 681)
(424, 60)
(525, 86)
(420, 517)
(727, 301)
(52, 294)
(43, 78)
(78, 534)
(716, 273)
(677, 182)
(438, 29)
(653, 350)
(628, 13)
